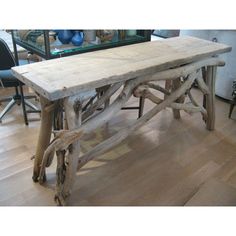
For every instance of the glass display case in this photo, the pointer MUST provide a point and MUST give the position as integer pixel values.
(58, 43)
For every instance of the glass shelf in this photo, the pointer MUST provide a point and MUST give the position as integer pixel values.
(48, 44)
(62, 48)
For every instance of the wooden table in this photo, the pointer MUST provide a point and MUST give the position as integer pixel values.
(179, 61)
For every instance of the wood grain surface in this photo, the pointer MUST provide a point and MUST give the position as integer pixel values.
(58, 78)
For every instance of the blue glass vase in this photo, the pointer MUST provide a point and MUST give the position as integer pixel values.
(78, 38)
(65, 36)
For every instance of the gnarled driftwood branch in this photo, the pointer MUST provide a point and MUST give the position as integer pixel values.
(122, 134)
(66, 138)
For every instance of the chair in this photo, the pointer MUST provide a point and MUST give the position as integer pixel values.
(7, 80)
(233, 101)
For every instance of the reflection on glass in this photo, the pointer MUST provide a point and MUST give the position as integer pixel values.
(61, 41)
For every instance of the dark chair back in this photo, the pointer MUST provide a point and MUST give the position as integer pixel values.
(6, 58)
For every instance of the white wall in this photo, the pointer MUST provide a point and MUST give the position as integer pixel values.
(225, 75)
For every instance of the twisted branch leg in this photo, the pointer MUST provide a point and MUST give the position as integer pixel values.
(210, 98)
(67, 162)
(44, 135)
(175, 85)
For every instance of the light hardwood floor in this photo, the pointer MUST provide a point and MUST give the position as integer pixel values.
(165, 162)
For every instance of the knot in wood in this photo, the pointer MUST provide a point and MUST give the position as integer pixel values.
(141, 91)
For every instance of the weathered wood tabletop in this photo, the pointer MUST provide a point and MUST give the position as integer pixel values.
(134, 69)
(58, 78)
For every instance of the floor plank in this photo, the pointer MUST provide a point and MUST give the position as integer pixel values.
(214, 193)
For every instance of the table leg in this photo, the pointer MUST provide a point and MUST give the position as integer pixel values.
(67, 161)
(44, 135)
(231, 108)
(204, 75)
(176, 83)
(168, 84)
(210, 98)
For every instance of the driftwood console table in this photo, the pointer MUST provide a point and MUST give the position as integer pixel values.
(133, 70)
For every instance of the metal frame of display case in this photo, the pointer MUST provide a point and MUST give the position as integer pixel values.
(145, 36)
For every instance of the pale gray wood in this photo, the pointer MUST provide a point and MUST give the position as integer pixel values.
(106, 96)
(176, 83)
(73, 110)
(44, 136)
(66, 76)
(202, 86)
(189, 108)
(65, 138)
(56, 111)
(143, 90)
(210, 98)
(123, 133)
(132, 65)
(195, 103)
(159, 88)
